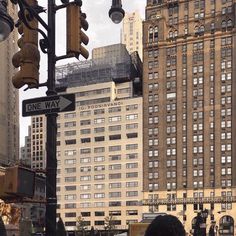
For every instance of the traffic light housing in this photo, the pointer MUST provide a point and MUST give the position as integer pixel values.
(76, 22)
(28, 57)
(16, 182)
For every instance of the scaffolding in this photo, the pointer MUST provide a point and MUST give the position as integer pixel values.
(124, 69)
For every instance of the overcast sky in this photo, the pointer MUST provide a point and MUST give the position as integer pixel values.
(101, 32)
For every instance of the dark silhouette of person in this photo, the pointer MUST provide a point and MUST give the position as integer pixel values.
(165, 225)
(212, 230)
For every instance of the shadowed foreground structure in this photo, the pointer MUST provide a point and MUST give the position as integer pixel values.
(165, 225)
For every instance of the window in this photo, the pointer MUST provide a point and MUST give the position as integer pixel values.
(70, 115)
(99, 139)
(70, 133)
(70, 170)
(131, 184)
(99, 159)
(99, 177)
(70, 188)
(132, 175)
(131, 165)
(85, 160)
(99, 213)
(85, 169)
(85, 187)
(114, 185)
(85, 113)
(132, 117)
(85, 151)
(99, 130)
(114, 118)
(85, 122)
(131, 107)
(70, 197)
(114, 194)
(114, 109)
(99, 149)
(115, 137)
(70, 124)
(114, 157)
(85, 196)
(70, 152)
(85, 131)
(114, 148)
(85, 178)
(132, 126)
(115, 128)
(99, 111)
(99, 195)
(131, 193)
(99, 186)
(115, 176)
(99, 120)
(131, 146)
(70, 161)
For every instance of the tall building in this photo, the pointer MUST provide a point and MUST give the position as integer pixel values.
(9, 108)
(99, 145)
(33, 155)
(25, 151)
(100, 156)
(99, 148)
(132, 33)
(189, 111)
(38, 142)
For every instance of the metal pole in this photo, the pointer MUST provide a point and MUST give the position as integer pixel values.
(51, 161)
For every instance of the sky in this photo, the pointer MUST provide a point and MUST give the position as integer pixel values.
(102, 31)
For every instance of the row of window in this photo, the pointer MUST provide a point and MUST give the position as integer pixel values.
(99, 139)
(129, 156)
(88, 187)
(102, 167)
(101, 111)
(100, 120)
(73, 152)
(99, 177)
(99, 195)
(225, 183)
(102, 213)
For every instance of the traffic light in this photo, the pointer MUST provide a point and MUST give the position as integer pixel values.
(76, 22)
(17, 182)
(28, 57)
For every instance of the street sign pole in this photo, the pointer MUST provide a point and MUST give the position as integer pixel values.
(51, 159)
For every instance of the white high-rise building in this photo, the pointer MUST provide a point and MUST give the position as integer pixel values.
(99, 145)
(132, 33)
(99, 156)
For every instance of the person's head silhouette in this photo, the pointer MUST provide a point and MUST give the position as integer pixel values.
(165, 225)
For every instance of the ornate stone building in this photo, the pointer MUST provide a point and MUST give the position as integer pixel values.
(190, 111)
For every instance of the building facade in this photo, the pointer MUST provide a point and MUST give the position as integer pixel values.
(33, 155)
(189, 111)
(25, 151)
(9, 107)
(38, 142)
(99, 148)
(100, 157)
(132, 33)
(99, 145)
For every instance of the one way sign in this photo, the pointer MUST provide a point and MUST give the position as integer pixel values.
(47, 105)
